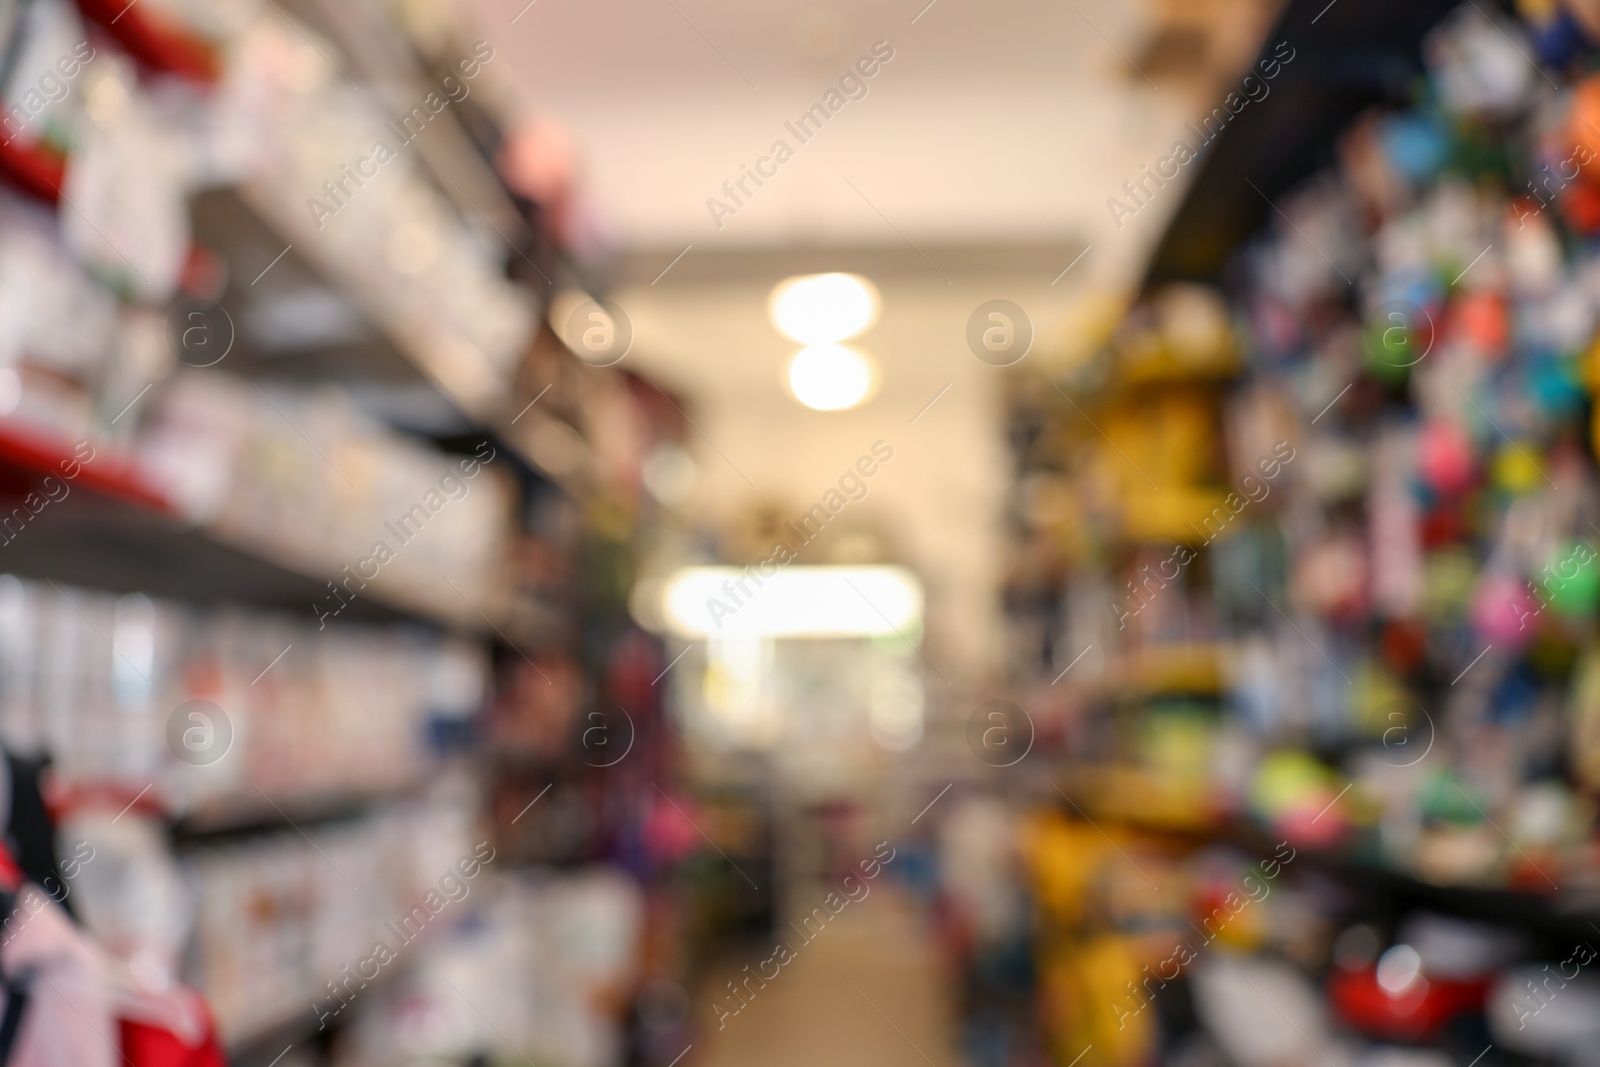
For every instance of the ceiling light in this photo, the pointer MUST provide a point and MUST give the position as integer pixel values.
(831, 377)
(822, 308)
(796, 601)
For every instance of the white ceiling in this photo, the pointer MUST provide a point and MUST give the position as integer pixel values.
(996, 121)
(1003, 125)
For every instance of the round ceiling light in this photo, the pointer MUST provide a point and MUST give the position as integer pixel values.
(819, 309)
(829, 377)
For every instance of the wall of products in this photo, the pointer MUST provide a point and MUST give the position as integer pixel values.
(1330, 569)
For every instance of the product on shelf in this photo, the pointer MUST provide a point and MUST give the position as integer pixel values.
(306, 479)
(1370, 560)
(271, 806)
(1333, 545)
(545, 973)
(285, 927)
(335, 167)
(100, 683)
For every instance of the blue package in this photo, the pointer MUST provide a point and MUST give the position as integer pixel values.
(1561, 40)
(1416, 145)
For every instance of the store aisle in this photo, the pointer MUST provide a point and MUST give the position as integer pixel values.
(811, 1014)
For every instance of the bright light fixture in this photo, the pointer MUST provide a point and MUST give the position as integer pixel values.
(725, 602)
(819, 309)
(831, 377)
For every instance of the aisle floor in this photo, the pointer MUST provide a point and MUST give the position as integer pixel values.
(867, 991)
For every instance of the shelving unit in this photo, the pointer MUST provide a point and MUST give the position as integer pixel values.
(247, 222)
(34, 169)
(1170, 771)
(1359, 55)
(241, 821)
(115, 531)
(423, 385)
(1548, 913)
(248, 226)
(1349, 57)
(156, 40)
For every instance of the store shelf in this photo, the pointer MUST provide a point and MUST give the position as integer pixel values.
(156, 39)
(33, 168)
(228, 222)
(223, 820)
(265, 1046)
(363, 345)
(253, 814)
(1176, 668)
(243, 221)
(112, 530)
(1127, 798)
(363, 364)
(26, 451)
(1348, 57)
(1553, 913)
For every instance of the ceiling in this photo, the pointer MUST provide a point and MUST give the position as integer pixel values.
(1010, 120)
(977, 166)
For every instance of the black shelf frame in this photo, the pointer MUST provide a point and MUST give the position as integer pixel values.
(1349, 56)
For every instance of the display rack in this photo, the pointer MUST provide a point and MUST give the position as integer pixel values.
(1348, 58)
(1171, 770)
(32, 168)
(115, 531)
(1351, 56)
(120, 530)
(156, 40)
(249, 226)
(1549, 914)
